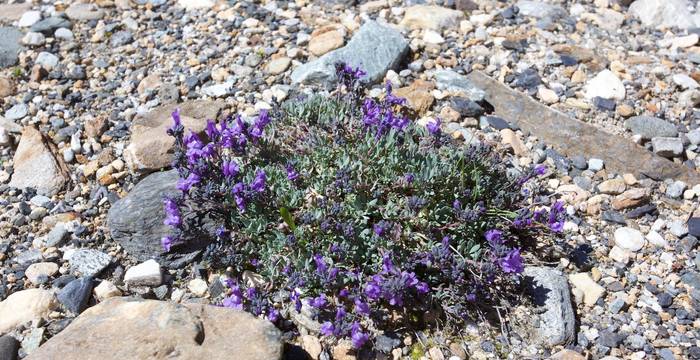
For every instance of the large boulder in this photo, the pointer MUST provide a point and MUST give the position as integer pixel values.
(151, 148)
(374, 48)
(127, 328)
(37, 164)
(550, 292)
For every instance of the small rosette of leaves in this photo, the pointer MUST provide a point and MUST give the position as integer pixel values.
(340, 203)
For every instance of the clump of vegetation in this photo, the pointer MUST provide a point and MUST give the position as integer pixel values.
(340, 203)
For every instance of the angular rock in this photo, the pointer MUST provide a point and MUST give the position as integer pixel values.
(550, 290)
(451, 81)
(29, 18)
(147, 273)
(630, 198)
(105, 290)
(374, 48)
(418, 95)
(591, 290)
(151, 147)
(24, 306)
(37, 164)
(88, 262)
(694, 226)
(9, 46)
(325, 42)
(605, 85)
(431, 17)
(612, 186)
(49, 25)
(649, 127)
(555, 128)
(539, 9)
(76, 294)
(123, 328)
(667, 146)
(136, 221)
(664, 13)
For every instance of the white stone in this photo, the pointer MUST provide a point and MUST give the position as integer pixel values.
(548, 96)
(619, 255)
(595, 164)
(198, 287)
(432, 37)
(147, 274)
(590, 289)
(63, 34)
(33, 39)
(105, 290)
(684, 41)
(29, 18)
(629, 239)
(685, 81)
(663, 13)
(24, 306)
(38, 270)
(196, 4)
(605, 85)
(656, 239)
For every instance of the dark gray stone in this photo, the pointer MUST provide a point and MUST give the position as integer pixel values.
(49, 25)
(57, 236)
(694, 226)
(466, 107)
(76, 294)
(573, 137)
(8, 347)
(650, 127)
(374, 48)
(9, 46)
(550, 291)
(665, 299)
(136, 221)
(609, 339)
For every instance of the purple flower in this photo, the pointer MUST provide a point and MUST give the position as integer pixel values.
(409, 177)
(327, 328)
(167, 242)
(319, 301)
(512, 262)
(434, 126)
(273, 315)
(422, 287)
(211, 130)
(177, 123)
(235, 300)
(229, 168)
(258, 184)
(185, 185)
(361, 307)
(291, 173)
(381, 228)
(172, 213)
(373, 290)
(321, 266)
(358, 337)
(557, 226)
(540, 169)
(494, 237)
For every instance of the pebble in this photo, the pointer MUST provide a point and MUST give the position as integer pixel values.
(145, 274)
(105, 290)
(629, 239)
(88, 262)
(40, 272)
(198, 287)
(667, 147)
(17, 111)
(591, 291)
(605, 85)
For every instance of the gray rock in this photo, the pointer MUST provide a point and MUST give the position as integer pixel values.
(649, 127)
(75, 295)
(667, 146)
(32, 340)
(28, 257)
(675, 190)
(51, 24)
(47, 60)
(17, 112)
(9, 46)
(89, 262)
(136, 221)
(374, 48)
(550, 291)
(692, 279)
(121, 38)
(57, 236)
(595, 164)
(8, 347)
(538, 9)
(694, 136)
(83, 11)
(449, 80)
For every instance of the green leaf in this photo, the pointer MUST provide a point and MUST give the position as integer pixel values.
(287, 217)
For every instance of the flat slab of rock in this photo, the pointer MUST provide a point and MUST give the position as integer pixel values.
(136, 221)
(37, 166)
(374, 48)
(124, 328)
(550, 290)
(24, 306)
(573, 137)
(151, 148)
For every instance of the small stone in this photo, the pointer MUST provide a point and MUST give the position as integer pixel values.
(57, 236)
(312, 345)
(595, 165)
(8, 347)
(84, 12)
(278, 66)
(656, 239)
(76, 294)
(33, 39)
(675, 190)
(325, 42)
(64, 34)
(685, 81)
(591, 291)
(198, 287)
(145, 274)
(649, 127)
(547, 96)
(667, 146)
(678, 228)
(47, 60)
(612, 186)
(432, 37)
(38, 270)
(7, 87)
(29, 18)
(105, 290)
(24, 306)
(431, 17)
(509, 137)
(684, 41)
(196, 4)
(567, 355)
(629, 239)
(88, 262)
(605, 85)
(694, 226)
(17, 111)
(37, 164)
